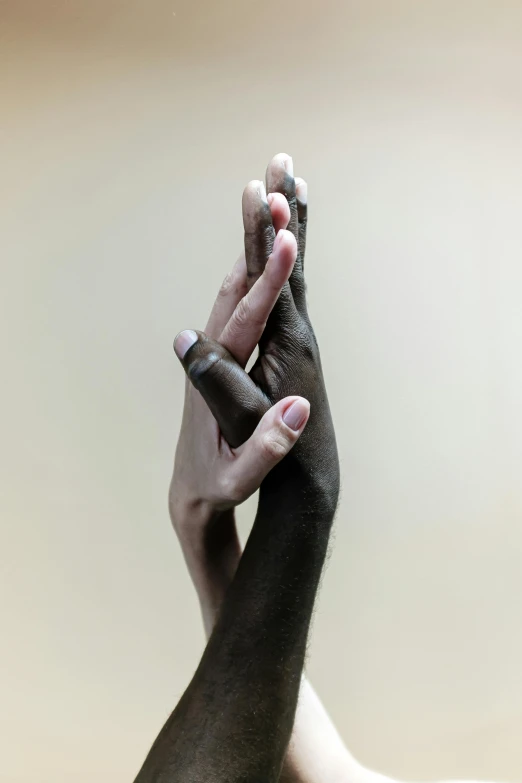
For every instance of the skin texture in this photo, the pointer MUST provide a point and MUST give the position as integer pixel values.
(234, 721)
(203, 517)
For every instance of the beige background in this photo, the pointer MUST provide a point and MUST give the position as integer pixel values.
(128, 130)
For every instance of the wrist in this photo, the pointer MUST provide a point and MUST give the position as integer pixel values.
(212, 551)
(189, 515)
(306, 487)
(209, 542)
(204, 534)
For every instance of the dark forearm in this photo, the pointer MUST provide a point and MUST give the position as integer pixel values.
(235, 719)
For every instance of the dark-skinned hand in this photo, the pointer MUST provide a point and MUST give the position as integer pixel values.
(288, 362)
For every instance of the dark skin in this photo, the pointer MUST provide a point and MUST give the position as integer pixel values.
(234, 721)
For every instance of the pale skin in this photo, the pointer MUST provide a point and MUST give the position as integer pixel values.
(316, 752)
(210, 479)
(234, 721)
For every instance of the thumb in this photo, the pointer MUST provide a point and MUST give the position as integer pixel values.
(273, 438)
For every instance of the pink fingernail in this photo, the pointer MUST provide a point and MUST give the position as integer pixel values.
(184, 341)
(296, 415)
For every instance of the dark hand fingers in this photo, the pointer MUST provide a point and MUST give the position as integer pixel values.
(246, 326)
(233, 289)
(280, 179)
(301, 192)
(235, 401)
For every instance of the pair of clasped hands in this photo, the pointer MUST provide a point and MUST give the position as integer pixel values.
(268, 429)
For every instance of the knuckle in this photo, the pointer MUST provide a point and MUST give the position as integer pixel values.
(242, 313)
(307, 343)
(273, 446)
(199, 369)
(297, 281)
(230, 490)
(228, 285)
(246, 316)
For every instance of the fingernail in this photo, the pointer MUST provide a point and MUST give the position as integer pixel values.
(301, 190)
(296, 415)
(184, 341)
(289, 165)
(261, 190)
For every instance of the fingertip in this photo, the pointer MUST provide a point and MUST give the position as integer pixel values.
(254, 191)
(280, 428)
(285, 241)
(280, 175)
(301, 190)
(183, 341)
(280, 265)
(296, 414)
(284, 160)
(280, 210)
(255, 204)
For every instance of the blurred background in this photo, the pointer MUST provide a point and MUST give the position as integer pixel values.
(128, 131)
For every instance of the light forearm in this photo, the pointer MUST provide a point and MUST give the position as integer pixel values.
(212, 551)
(316, 753)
